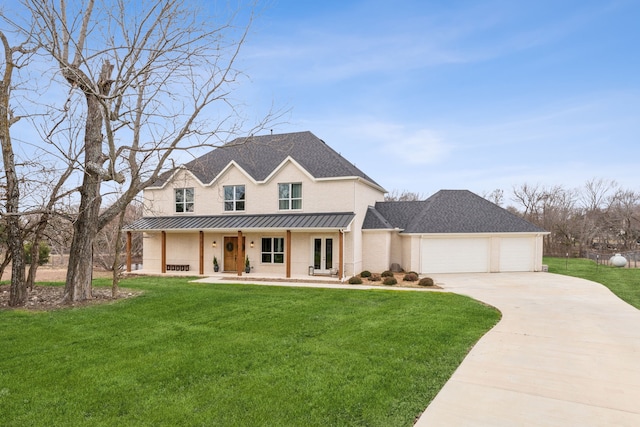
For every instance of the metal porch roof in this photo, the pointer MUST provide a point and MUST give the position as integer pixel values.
(339, 220)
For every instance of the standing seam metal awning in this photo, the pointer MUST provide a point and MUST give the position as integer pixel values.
(332, 221)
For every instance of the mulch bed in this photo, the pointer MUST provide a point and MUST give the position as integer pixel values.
(44, 298)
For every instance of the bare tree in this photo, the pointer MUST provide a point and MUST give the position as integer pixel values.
(108, 242)
(558, 206)
(530, 197)
(51, 189)
(598, 216)
(18, 291)
(496, 196)
(155, 79)
(625, 218)
(596, 192)
(596, 198)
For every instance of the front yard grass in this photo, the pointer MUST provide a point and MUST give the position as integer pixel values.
(624, 282)
(235, 355)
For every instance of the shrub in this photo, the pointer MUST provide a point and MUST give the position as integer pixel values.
(410, 277)
(387, 273)
(365, 273)
(390, 281)
(43, 253)
(426, 281)
(375, 277)
(355, 280)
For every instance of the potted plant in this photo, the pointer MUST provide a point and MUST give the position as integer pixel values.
(247, 266)
(216, 267)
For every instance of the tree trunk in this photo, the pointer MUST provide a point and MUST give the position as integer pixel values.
(35, 247)
(18, 289)
(35, 262)
(80, 268)
(5, 263)
(116, 258)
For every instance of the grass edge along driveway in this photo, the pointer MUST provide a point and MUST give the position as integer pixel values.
(236, 355)
(624, 282)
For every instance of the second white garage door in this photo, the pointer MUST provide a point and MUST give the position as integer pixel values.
(517, 254)
(462, 255)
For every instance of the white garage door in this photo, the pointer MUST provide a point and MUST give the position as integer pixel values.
(516, 253)
(464, 255)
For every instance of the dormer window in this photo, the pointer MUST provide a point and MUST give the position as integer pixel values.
(234, 198)
(184, 200)
(290, 196)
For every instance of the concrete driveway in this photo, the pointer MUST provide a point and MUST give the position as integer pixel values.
(566, 353)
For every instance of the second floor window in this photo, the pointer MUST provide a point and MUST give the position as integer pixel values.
(234, 198)
(289, 196)
(184, 200)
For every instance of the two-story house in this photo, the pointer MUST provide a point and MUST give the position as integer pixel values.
(293, 206)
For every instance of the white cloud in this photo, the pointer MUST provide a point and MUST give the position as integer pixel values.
(421, 147)
(396, 141)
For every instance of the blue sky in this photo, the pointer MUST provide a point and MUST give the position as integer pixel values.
(428, 95)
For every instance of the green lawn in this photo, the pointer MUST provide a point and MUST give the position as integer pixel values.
(624, 282)
(235, 355)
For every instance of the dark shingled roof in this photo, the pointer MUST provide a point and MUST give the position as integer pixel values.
(260, 155)
(244, 222)
(448, 211)
(388, 215)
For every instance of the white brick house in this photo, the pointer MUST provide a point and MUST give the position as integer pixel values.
(293, 205)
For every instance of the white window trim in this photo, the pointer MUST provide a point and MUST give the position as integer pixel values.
(290, 199)
(185, 202)
(234, 201)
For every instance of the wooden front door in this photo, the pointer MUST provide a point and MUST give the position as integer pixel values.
(231, 254)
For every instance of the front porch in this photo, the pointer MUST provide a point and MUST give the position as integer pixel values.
(283, 246)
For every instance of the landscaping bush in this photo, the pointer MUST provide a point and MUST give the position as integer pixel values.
(426, 281)
(375, 277)
(387, 273)
(355, 280)
(390, 281)
(365, 273)
(410, 277)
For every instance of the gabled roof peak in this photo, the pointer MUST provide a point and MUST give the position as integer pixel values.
(260, 155)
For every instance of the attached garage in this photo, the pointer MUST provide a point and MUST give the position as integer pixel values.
(479, 254)
(455, 255)
(456, 231)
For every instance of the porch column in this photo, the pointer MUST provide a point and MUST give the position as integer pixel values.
(201, 253)
(287, 249)
(241, 254)
(340, 254)
(163, 256)
(128, 252)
